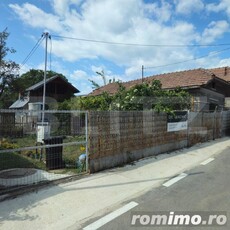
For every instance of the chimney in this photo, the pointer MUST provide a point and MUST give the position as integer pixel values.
(225, 71)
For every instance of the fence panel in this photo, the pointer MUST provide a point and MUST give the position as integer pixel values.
(8, 125)
(116, 138)
(225, 123)
(31, 155)
(204, 126)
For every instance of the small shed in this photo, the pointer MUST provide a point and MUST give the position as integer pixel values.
(58, 89)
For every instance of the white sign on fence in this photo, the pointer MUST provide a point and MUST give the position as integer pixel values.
(177, 121)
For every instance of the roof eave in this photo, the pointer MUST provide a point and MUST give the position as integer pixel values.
(185, 87)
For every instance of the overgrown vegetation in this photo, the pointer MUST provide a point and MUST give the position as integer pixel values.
(140, 97)
(32, 158)
(8, 71)
(6, 144)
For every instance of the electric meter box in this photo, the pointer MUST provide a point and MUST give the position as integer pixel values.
(43, 131)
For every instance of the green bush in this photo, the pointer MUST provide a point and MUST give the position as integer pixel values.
(6, 144)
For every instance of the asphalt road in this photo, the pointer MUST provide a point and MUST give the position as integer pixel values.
(205, 188)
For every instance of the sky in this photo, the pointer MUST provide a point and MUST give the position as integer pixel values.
(117, 36)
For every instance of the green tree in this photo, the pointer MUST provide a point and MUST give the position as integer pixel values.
(152, 97)
(8, 70)
(101, 73)
(101, 103)
(30, 78)
(139, 97)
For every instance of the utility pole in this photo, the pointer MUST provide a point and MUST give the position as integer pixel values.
(46, 35)
(142, 73)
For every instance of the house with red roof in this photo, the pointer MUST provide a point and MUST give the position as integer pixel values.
(210, 88)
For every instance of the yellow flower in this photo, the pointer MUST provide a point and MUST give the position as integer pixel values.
(82, 148)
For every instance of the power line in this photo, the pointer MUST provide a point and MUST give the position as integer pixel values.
(32, 50)
(193, 59)
(139, 44)
(129, 44)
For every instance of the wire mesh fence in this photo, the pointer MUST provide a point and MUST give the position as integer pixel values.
(34, 151)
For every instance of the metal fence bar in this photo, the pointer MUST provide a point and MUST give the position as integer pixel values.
(86, 142)
(20, 155)
(42, 147)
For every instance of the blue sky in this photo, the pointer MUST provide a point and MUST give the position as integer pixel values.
(162, 33)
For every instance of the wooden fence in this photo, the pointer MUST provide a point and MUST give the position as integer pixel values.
(8, 126)
(116, 138)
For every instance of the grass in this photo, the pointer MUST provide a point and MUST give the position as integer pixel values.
(27, 159)
(15, 160)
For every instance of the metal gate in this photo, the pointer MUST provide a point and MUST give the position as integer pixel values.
(33, 151)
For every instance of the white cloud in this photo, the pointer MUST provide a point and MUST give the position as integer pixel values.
(79, 75)
(187, 7)
(224, 62)
(61, 7)
(35, 17)
(213, 31)
(23, 69)
(79, 79)
(84, 88)
(97, 68)
(223, 5)
(129, 21)
(161, 12)
(116, 21)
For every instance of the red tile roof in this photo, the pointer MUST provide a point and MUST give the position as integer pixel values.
(184, 79)
(222, 72)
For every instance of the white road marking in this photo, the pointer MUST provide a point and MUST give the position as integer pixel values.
(175, 179)
(104, 220)
(207, 161)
